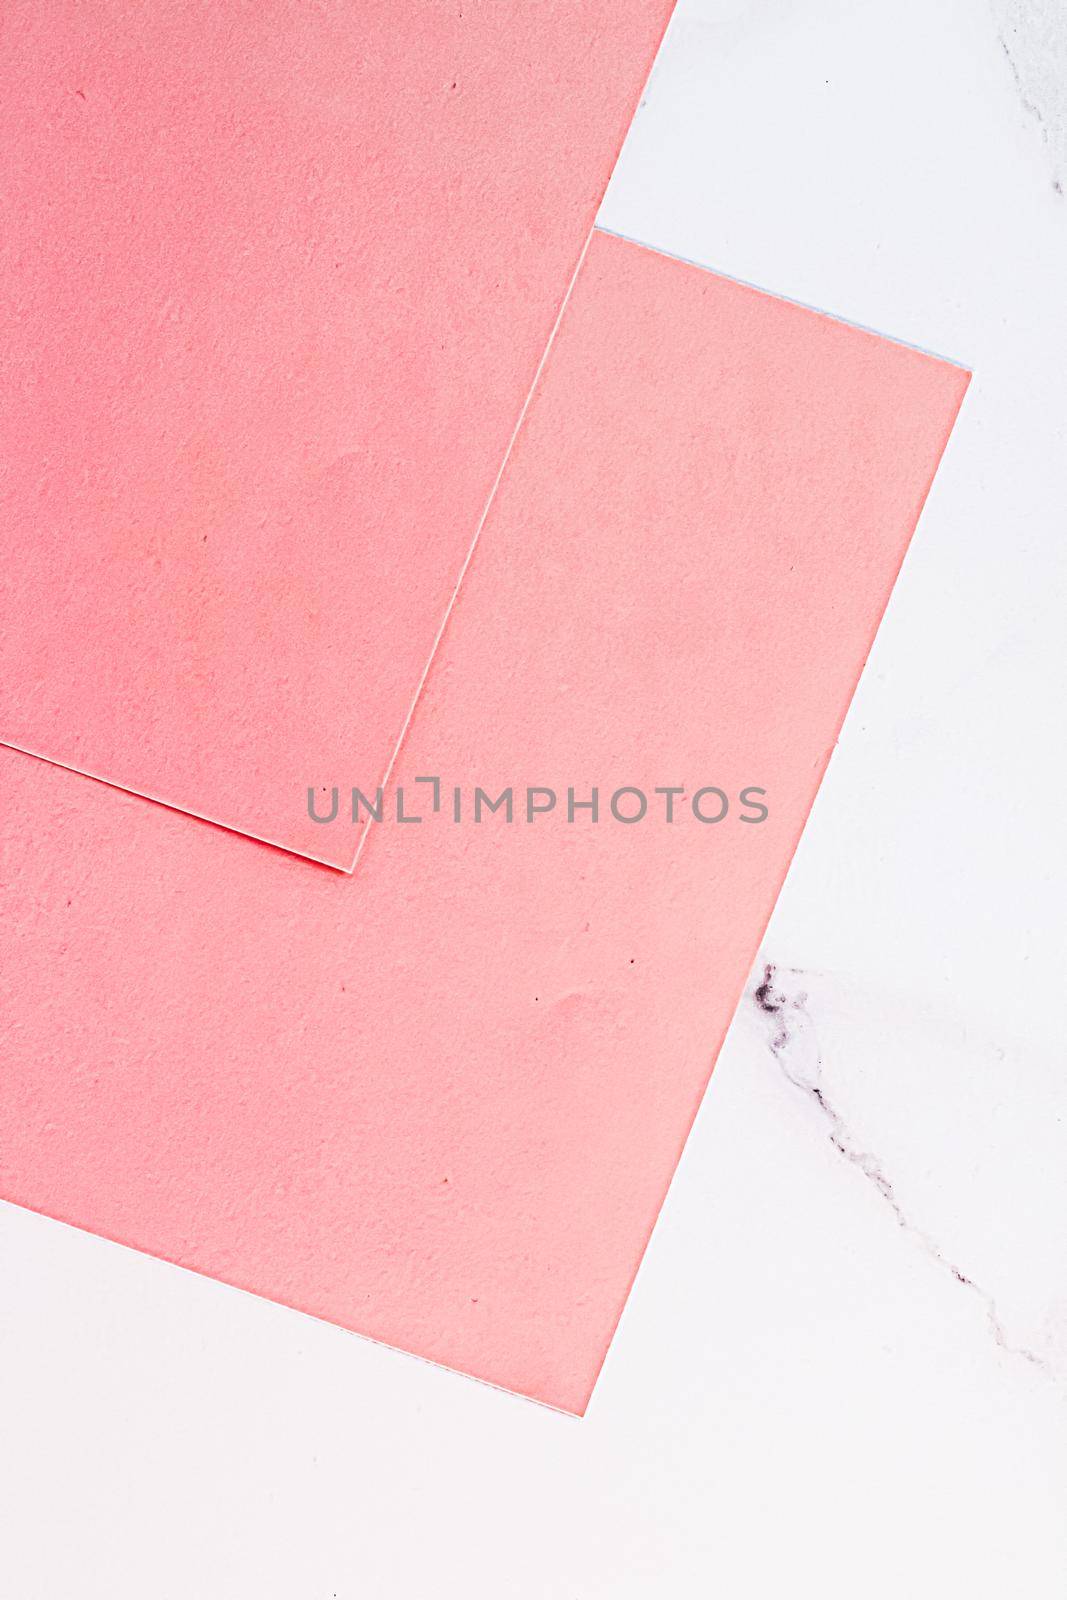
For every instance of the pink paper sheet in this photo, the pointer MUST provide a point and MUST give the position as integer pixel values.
(275, 281)
(440, 1102)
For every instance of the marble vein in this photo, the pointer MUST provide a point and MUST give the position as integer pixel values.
(1033, 37)
(781, 1000)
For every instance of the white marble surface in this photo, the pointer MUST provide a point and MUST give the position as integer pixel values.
(843, 1370)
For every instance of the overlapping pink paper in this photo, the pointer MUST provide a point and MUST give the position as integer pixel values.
(275, 279)
(440, 1101)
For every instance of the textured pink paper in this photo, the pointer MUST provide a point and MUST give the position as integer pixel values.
(275, 280)
(440, 1101)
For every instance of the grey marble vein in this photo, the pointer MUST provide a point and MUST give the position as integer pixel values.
(781, 1000)
(1033, 37)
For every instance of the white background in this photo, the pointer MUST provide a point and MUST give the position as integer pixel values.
(843, 1368)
